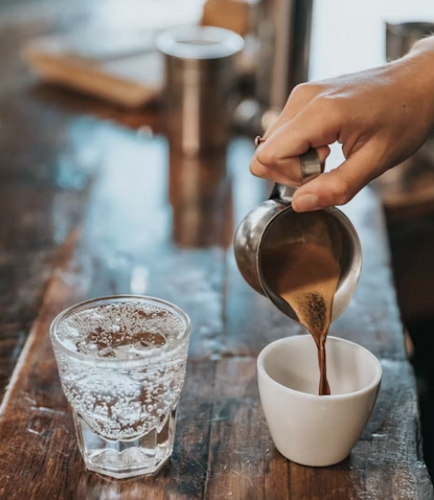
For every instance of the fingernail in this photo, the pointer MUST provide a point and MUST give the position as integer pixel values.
(259, 140)
(306, 203)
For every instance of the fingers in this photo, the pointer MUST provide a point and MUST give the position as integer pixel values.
(317, 125)
(300, 97)
(286, 171)
(277, 157)
(338, 186)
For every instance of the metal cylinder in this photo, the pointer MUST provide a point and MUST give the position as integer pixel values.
(200, 196)
(400, 37)
(199, 77)
(284, 32)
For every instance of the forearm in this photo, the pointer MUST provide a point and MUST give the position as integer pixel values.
(420, 65)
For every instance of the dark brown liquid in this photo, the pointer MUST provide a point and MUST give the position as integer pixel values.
(306, 275)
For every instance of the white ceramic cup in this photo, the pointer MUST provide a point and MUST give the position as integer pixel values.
(310, 429)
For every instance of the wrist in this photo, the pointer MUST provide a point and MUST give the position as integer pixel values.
(419, 66)
(423, 47)
(420, 61)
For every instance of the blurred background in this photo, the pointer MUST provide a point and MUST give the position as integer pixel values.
(169, 94)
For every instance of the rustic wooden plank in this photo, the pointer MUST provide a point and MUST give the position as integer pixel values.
(34, 221)
(132, 242)
(114, 246)
(385, 463)
(242, 462)
(45, 168)
(37, 435)
(49, 153)
(41, 198)
(372, 320)
(125, 246)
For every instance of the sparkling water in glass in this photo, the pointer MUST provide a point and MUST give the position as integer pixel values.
(121, 363)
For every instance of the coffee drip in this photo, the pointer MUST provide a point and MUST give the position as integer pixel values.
(305, 273)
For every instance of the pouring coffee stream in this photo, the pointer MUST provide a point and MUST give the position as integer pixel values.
(307, 264)
(305, 274)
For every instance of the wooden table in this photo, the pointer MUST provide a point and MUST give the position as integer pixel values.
(91, 207)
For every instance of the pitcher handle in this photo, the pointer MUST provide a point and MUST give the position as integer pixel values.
(310, 166)
(282, 192)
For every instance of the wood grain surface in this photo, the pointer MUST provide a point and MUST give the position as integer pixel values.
(92, 203)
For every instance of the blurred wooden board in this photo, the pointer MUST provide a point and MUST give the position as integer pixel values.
(88, 208)
(128, 74)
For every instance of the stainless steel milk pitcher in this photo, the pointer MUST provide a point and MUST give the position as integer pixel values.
(275, 219)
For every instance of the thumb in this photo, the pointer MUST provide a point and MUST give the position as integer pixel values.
(338, 186)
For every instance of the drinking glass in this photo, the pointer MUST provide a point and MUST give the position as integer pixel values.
(122, 362)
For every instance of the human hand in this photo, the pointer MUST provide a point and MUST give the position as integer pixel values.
(379, 116)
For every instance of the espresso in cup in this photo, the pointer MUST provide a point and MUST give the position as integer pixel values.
(307, 428)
